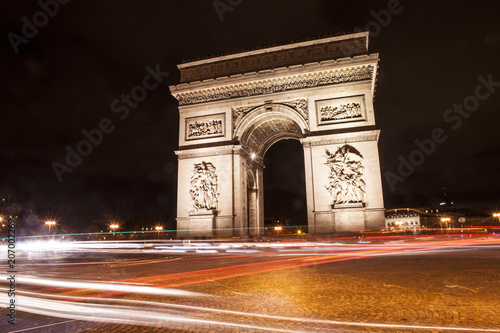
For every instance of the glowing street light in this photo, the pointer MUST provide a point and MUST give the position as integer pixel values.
(113, 227)
(158, 229)
(50, 224)
(497, 215)
(278, 229)
(445, 220)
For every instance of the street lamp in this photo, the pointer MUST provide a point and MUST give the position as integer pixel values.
(50, 224)
(445, 220)
(278, 229)
(113, 227)
(158, 229)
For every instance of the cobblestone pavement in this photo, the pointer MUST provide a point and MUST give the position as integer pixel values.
(442, 290)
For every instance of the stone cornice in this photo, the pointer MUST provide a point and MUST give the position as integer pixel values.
(204, 152)
(277, 80)
(343, 138)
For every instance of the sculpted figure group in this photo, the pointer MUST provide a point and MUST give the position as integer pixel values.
(204, 186)
(345, 179)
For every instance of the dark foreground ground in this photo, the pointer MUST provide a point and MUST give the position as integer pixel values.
(421, 285)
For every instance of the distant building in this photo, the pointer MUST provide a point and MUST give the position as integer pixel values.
(402, 220)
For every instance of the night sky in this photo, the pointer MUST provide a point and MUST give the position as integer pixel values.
(65, 77)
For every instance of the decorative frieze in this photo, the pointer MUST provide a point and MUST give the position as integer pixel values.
(273, 86)
(346, 184)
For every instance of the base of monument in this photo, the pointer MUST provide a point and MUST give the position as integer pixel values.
(347, 219)
(198, 224)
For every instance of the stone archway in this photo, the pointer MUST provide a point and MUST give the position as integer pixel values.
(264, 125)
(234, 108)
(257, 130)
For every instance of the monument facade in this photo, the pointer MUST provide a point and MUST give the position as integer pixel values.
(233, 108)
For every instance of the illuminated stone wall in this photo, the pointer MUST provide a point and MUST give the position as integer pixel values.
(231, 121)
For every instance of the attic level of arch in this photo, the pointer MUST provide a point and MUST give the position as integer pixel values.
(274, 57)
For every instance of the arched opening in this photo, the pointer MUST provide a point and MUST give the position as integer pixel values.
(275, 127)
(284, 186)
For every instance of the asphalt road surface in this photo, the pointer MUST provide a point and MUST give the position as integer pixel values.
(397, 285)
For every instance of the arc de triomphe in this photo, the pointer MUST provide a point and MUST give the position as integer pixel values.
(233, 108)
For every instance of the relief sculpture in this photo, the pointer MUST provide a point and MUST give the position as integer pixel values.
(204, 186)
(344, 111)
(345, 178)
(205, 128)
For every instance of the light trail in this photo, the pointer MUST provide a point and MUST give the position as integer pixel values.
(213, 274)
(201, 276)
(129, 315)
(119, 314)
(125, 311)
(116, 286)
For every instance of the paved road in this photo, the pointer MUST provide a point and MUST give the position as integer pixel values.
(420, 285)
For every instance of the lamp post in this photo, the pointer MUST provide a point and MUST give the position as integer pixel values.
(445, 220)
(113, 227)
(158, 229)
(278, 229)
(50, 224)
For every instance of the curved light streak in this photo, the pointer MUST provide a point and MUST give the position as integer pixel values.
(116, 287)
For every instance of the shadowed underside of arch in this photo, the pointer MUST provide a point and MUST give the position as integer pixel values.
(268, 125)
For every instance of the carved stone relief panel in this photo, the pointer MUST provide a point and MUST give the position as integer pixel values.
(205, 127)
(344, 109)
(345, 179)
(204, 187)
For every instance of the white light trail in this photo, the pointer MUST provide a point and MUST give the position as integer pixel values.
(116, 287)
(125, 315)
(113, 313)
